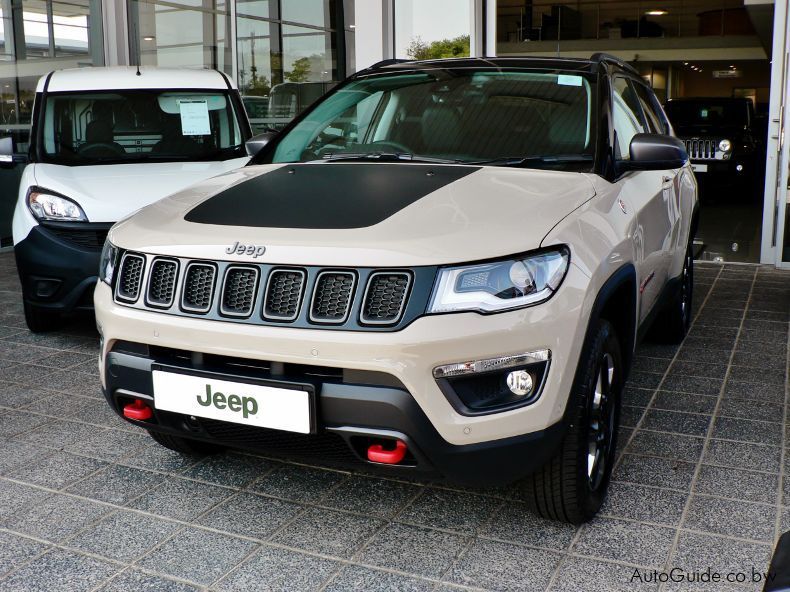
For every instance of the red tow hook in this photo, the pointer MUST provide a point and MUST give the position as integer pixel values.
(138, 410)
(376, 453)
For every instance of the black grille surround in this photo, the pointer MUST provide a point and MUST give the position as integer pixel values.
(311, 297)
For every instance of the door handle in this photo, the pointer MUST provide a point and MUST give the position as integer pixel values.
(666, 179)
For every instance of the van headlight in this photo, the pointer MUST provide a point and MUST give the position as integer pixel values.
(107, 262)
(500, 285)
(47, 205)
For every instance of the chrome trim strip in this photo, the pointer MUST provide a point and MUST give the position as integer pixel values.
(491, 364)
(228, 269)
(302, 284)
(148, 283)
(401, 308)
(118, 296)
(213, 267)
(350, 297)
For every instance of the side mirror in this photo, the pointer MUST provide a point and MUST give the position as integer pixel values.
(651, 152)
(256, 143)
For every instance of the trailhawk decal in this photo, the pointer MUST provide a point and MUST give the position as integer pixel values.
(327, 195)
(236, 402)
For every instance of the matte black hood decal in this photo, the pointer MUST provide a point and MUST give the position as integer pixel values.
(329, 195)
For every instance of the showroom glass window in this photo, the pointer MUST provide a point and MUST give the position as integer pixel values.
(435, 29)
(289, 54)
(627, 116)
(456, 115)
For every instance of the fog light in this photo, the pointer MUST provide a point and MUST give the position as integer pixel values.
(520, 382)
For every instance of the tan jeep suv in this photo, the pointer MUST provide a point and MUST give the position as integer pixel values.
(441, 269)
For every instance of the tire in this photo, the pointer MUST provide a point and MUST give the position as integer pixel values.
(40, 320)
(672, 324)
(185, 445)
(571, 487)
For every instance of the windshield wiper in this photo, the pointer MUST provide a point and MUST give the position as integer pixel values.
(529, 161)
(387, 156)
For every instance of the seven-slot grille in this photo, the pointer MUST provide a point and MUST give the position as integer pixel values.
(332, 296)
(130, 277)
(384, 298)
(702, 149)
(198, 288)
(238, 291)
(283, 294)
(162, 282)
(302, 296)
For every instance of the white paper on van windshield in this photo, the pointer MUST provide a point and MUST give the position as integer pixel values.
(194, 118)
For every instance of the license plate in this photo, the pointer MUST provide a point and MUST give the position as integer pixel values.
(699, 168)
(248, 403)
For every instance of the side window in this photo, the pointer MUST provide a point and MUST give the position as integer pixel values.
(646, 100)
(627, 116)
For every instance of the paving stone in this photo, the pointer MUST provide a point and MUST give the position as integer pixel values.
(328, 532)
(59, 434)
(57, 471)
(746, 430)
(659, 472)
(413, 550)
(278, 570)
(19, 454)
(198, 555)
(59, 570)
(637, 397)
(746, 409)
(737, 483)
(673, 421)
(698, 552)
(123, 536)
(158, 458)
(298, 483)
(181, 499)
(743, 455)
(374, 497)
(687, 448)
(515, 523)
(647, 504)
(234, 470)
(20, 423)
(449, 510)
(648, 364)
(776, 376)
(492, 564)
(730, 517)
(117, 484)
(647, 380)
(692, 368)
(15, 550)
(355, 578)
(250, 515)
(16, 498)
(589, 575)
(697, 385)
(17, 395)
(110, 444)
(674, 401)
(759, 391)
(137, 581)
(618, 540)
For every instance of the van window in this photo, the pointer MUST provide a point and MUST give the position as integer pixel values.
(134, 126)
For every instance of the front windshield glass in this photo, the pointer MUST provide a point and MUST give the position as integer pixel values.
(456, 115)
(707, 112)
(140, 125)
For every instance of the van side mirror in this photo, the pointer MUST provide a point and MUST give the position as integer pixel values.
(651, 152)
(8, 156)
(256, 143)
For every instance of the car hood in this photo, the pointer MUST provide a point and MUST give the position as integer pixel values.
(718, 131)
(110, 192)
(359, 214)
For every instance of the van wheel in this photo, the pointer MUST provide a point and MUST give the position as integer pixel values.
(672, 324)
(571, 487)
(40, 320)
(185, 445)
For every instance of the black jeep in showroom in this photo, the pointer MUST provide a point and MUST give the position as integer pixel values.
(723, 141)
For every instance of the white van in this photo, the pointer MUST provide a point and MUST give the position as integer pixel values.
(104, 143)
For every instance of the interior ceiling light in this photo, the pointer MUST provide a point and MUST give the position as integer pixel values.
(657, 12)
(149, 38)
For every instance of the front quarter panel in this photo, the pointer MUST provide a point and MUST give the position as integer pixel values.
(23, 221)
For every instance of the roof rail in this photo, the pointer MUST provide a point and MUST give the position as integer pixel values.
(607, 57)
(387, 62)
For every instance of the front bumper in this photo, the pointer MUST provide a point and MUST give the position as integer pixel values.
(409, 356)
(57, 273)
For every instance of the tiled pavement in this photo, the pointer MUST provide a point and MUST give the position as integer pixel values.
(87, 503)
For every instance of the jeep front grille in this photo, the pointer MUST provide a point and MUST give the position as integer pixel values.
(332, 296)
(238, 291)
(384, 298)
(265, 294)
(703, 149)
(162, 282)
(283, 294)
(198, 287)
(130, 277)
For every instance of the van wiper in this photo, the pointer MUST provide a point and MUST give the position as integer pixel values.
(530, 161)
(386, 156)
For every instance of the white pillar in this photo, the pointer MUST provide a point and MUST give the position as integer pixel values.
(490, 26)
(115, 26)
(373, 35)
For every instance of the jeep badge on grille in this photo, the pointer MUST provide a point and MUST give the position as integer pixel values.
(238, 248)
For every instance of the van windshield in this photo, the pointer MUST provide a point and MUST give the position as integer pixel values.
(127, 126)
(505, 118)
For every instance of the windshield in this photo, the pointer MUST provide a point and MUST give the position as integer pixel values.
(140, 125)
(484, 116)
(708, 112)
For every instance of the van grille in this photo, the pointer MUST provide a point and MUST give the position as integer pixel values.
(130, 277)
(384, 297)
(162, 282)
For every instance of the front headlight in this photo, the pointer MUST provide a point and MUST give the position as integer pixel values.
(46, 205)
(500, 285)
(725, 145)
(107, 262)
